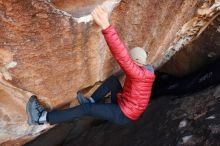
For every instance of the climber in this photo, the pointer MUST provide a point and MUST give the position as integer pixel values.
(127, 103)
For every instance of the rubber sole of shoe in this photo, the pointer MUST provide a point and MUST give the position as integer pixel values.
(28, 109)
(80, 98)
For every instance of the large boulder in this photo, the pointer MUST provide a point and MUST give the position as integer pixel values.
(52, 48)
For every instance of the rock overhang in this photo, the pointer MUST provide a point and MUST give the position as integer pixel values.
(80, 9)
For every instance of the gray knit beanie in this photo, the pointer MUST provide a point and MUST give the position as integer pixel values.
(139, 55)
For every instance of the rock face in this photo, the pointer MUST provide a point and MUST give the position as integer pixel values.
(53, 49)
(203, 50)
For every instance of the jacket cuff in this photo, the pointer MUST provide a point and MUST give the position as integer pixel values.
(108, 28)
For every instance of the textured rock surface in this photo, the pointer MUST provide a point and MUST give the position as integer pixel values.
(45, 50)
(202, 51)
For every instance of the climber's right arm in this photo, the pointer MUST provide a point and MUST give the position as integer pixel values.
(119, 73)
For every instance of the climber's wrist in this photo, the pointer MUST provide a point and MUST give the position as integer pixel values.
(104, 26)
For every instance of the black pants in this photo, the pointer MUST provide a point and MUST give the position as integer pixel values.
(107, 111)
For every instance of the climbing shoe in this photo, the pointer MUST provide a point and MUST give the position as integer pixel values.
(36, 113)
(83, 100)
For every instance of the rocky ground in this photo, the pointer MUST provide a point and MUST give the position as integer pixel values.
(189, 120)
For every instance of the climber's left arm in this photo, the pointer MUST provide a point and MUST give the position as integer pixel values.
(102, 21)
(117, 47)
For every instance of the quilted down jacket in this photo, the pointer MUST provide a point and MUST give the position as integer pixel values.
(134, 97)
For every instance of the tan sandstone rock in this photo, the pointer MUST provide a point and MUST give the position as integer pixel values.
(51, 48)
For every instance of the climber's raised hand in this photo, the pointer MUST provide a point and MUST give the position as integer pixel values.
(101, 17)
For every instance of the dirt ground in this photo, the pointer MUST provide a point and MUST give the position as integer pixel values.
(189, 120)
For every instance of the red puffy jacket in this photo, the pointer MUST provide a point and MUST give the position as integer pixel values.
(136, 92)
